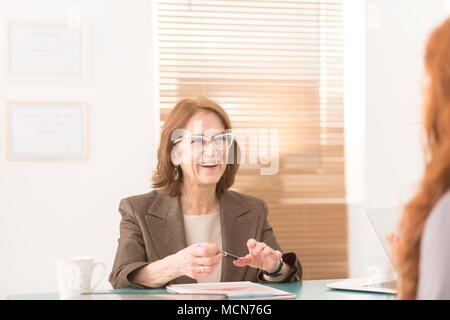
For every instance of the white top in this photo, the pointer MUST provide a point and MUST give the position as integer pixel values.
(434, 261)
(205, 228)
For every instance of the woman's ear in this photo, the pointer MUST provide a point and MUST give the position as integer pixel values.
(175, 156)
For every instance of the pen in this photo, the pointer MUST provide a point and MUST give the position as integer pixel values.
(225, 254)
(229, 255)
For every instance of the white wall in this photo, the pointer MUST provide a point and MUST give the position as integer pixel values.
(391, 158)
(55, 209)
(355, 121)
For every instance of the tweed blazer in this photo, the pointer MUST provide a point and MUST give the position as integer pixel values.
(152, 227)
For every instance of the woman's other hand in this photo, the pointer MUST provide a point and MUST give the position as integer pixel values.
(394, 242)
(260, 256)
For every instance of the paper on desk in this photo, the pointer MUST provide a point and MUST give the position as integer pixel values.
(234, 290)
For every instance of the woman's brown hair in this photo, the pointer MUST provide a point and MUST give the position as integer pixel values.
(436, 179)
(169, 178)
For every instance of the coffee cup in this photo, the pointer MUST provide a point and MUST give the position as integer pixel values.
(74, 276)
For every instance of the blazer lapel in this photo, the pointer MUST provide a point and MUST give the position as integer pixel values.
(166, 227)
(238, 225)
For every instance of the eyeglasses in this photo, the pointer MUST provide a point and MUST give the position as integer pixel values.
(199, 143)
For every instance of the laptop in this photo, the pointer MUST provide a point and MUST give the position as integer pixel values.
(383, 221)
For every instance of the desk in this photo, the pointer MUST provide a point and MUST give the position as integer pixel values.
(306, 290)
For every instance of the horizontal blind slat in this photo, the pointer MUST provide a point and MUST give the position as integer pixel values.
(273, 65)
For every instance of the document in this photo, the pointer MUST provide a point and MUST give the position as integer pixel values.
(47, 131)
(233, 290)
(136, 295)
(44, 49)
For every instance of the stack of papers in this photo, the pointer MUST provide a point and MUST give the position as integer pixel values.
(233, 290)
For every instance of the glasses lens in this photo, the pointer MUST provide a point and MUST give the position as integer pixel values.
(198, 143)
(223, 141)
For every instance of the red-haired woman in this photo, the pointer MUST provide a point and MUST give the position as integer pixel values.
(422, 249)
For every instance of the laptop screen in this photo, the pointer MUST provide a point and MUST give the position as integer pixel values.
(385, 221)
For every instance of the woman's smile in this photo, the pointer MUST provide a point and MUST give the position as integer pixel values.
(209, 167)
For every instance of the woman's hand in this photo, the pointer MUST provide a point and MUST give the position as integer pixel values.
(260, 256)
(394, 242)
(198, 260)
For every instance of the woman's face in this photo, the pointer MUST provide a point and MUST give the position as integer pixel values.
(202, 164)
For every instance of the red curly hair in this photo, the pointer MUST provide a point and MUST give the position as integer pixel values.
(436, 179)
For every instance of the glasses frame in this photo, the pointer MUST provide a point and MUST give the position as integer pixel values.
(209, 140)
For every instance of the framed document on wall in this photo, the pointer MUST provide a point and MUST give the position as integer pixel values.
(47, 131)
(45, 51)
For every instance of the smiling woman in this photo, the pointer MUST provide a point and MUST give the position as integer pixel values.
(179, 232)
(191, 116)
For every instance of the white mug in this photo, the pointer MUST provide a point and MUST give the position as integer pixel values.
(74, 276)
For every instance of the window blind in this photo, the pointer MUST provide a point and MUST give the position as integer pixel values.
(276, 67)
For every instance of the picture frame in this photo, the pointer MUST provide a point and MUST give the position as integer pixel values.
(47, 131)
(51, 51)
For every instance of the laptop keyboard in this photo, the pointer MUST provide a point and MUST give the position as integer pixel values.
(388, 285)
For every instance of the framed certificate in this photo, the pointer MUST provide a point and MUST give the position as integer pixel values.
(45, 51)
(47, 131)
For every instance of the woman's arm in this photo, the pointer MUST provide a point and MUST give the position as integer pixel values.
(131, 254)
(292, 268)
(265, 255)
(155, 274)
(133, 270)
(195, 261)
(285, 270)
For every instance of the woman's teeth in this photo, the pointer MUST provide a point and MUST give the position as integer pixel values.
(210, 164)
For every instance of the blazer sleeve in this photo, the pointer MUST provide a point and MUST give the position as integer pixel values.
(130, 254)
(290, 258)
